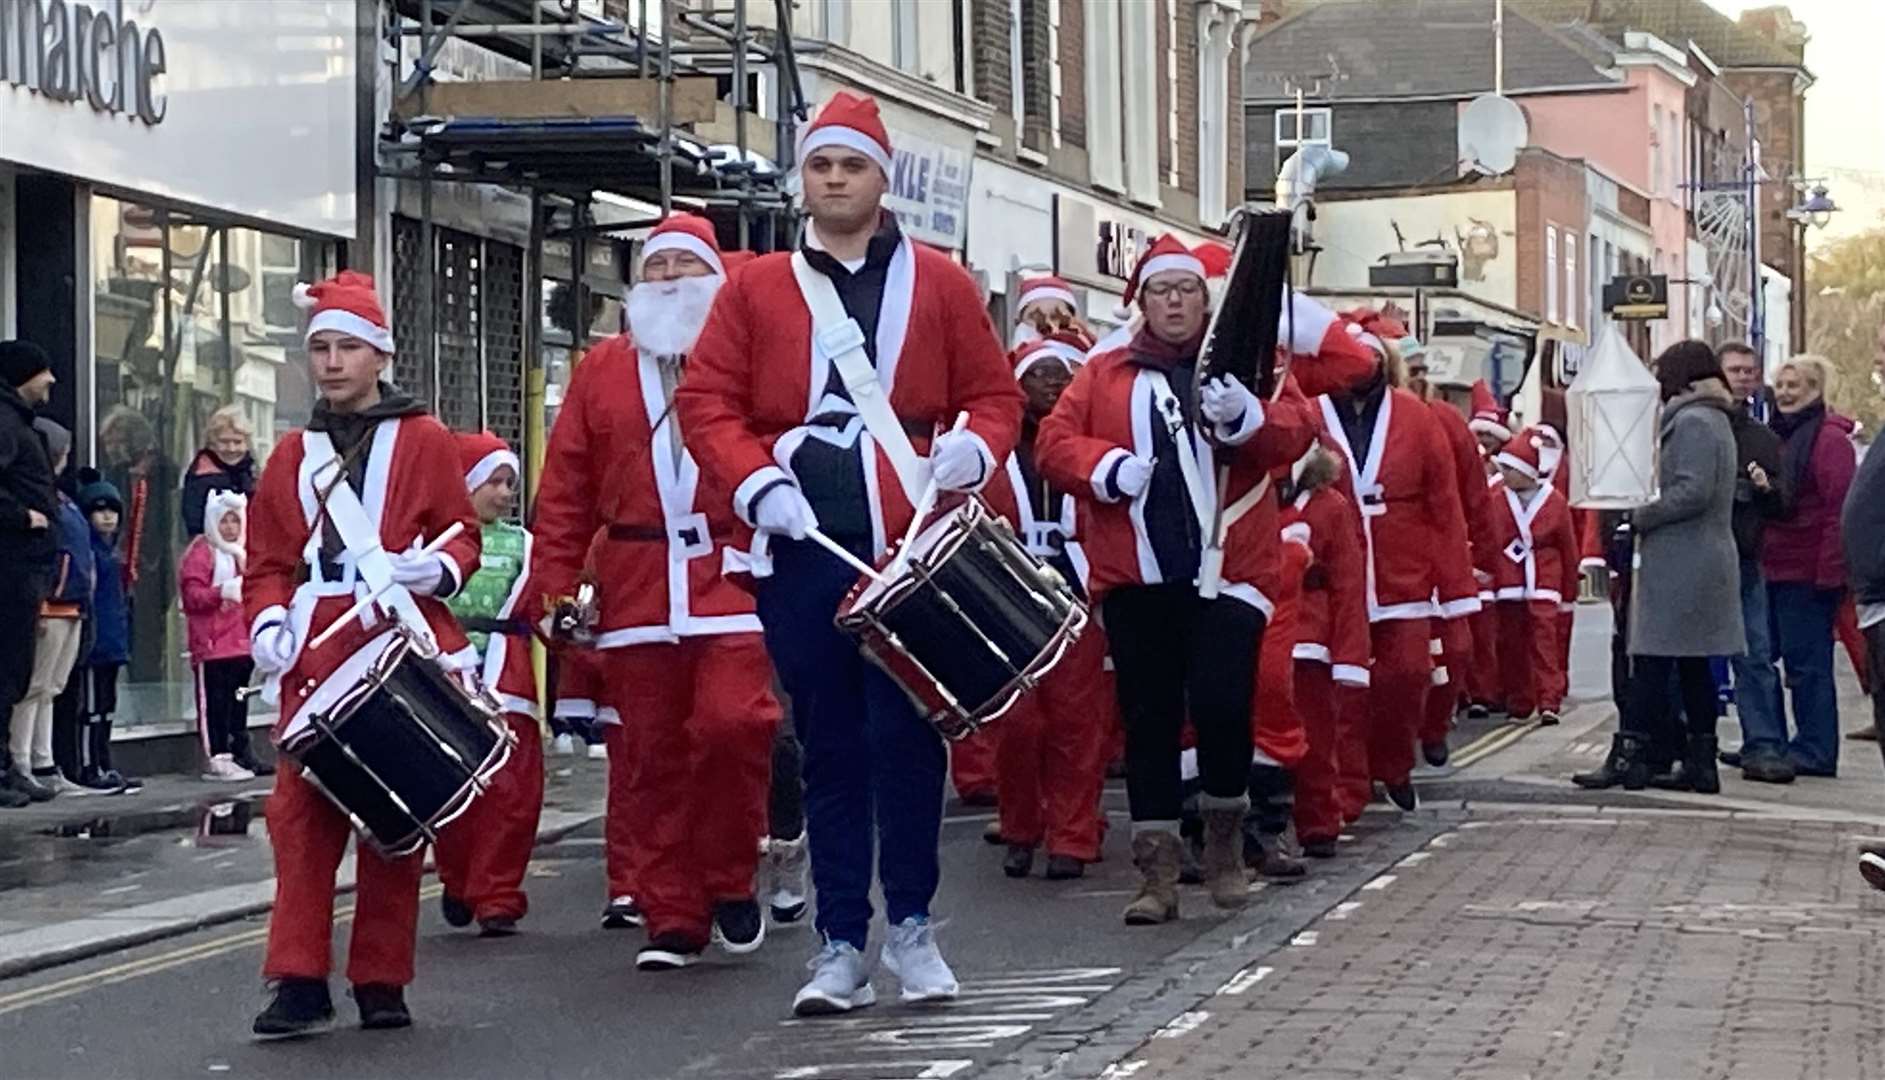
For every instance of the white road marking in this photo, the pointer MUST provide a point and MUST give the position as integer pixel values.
(1241, 982)
(1304, 939)
(119, 890)
(1123, 1069)
(1182, 1025)
(1415, 859)
(1379, 883)
(1342, 910)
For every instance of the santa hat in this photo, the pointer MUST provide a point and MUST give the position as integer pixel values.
(1044, 289)
(1215, 257)
(685, 232)
(851, 121)
(220, 504)
(1166, 253)
(1551, 454)
(1069, 349)
(1364, 323)
(483, 454)
(1488, 418)
(1523, 453)
(349, 303)
(1328, 353)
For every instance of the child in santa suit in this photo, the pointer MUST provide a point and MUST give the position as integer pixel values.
(482, 859)
(1330, 657)
(1051, 758)
(1533, 570)
(345, 509)
(1491, 429)
(1278, 740)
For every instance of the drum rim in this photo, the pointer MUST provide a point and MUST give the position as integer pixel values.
(961, 524)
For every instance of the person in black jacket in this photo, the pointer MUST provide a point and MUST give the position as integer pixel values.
(28, 545)
(225, 463)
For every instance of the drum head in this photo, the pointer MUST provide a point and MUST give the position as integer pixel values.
(340, 685)
(932, 545)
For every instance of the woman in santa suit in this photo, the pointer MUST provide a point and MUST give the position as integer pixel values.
(1125, 432)
(312, 553)
(686, 638)
(1402, 478)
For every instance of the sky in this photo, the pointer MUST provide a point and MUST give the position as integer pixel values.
(1845, 126)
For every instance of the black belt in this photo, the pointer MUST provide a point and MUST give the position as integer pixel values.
(332, 570)
(482, 624)
(655, 534)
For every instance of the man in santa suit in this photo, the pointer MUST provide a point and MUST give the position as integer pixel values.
(1402, 475)
(1490, 428)
(1052, 759)
(343, 510)
(670, 626)
(481, 861)
(824, 393)
(1533, 564)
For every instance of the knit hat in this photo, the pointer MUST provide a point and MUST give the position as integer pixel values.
(1068, 348)
(347, 302)
(1488, 418)
(1522, 453)
(851, 121)
(1043, 289)
(20, 361)
(95, 492)
(483, 454)
(1166, 253)
(58, 439)
(685, 232)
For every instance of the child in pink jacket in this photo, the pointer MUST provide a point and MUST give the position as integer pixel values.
(210, 580)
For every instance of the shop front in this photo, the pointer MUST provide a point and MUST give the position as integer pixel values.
(160, 196)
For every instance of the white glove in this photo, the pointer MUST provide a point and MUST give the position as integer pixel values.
(232, 590)
(421, 574)
(783, 509)
(274, 648)
(956, 462)
(1230, 407)
(1133, 477)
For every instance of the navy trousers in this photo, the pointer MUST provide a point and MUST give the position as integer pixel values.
(874, 767)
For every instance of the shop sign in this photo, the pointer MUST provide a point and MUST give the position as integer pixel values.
(71, 52)
(1098, 244)
(929, 190)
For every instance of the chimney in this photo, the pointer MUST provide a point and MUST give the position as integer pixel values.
(1777, 24)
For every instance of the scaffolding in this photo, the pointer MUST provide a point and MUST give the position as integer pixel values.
(649, 103)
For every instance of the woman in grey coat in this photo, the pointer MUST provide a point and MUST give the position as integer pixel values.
(1686, 603)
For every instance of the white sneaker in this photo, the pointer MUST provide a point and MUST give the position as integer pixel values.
(563, 745)
(223, 768)
(912, 956)
(598, 751)
(840, 982)
(786, 865)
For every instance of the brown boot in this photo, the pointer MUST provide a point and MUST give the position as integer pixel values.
(1225, 877)
(1155, 853)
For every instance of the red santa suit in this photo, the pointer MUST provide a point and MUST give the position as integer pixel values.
(411, 488)
(1455, 635)
(1330, 666)
(482, 859)
(1412, 529)
(1053, 744)
(1490, 420)
(1276, 730)
(701, 717)
(1534, 569)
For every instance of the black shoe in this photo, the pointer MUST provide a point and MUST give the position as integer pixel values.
(1623, 767)
(1549, 718)
(1019, 862)
(1674, 778)
(1698, 765)
(497, 926)
(456, 911)
(382, 1007)
(1477, 711)
(299, 1007)
(1764, 767)
(1319, 849)
(622, 914)
(1736, 759)
(1872, 869)
(249, 762)
(1064, 868)
(13, 800)
(30, 787)
(1402, 794)
(978, 799)
(1436, 753)
(668, 951)
(739, 926)
(127, 785)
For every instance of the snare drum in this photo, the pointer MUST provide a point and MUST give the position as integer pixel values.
(967, 622)
(396, 741)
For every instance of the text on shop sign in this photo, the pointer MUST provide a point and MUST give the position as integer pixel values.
(74, 52)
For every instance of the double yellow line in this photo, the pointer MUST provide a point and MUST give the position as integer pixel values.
(151, 965)
(1490, 743)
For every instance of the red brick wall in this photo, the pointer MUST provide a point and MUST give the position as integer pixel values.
(988, 22)
(1234, 186)
(1163, 47)
(1188, 98)
(1073, 72)
(1777, 124)
(1550, 191)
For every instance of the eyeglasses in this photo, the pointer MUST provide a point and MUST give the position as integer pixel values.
(1186, 288)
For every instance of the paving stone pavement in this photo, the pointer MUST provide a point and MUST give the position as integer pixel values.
(1567, 945)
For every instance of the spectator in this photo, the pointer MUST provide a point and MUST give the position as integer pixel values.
(28, 545)
(225, 463)
(210, 580)
(1686, 602)
(1863, 524)
(111, 645)
(57, 634)
(1762, 493)
(1802, 561)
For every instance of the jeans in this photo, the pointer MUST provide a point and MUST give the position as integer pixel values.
(1756, 680)
(1803, 622)
(873, 766)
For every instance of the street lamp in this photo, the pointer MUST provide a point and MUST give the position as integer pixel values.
(1816, 210)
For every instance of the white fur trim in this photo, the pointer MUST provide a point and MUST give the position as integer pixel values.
(1309, 650)
(1104, 471)
(1042, 293)
(1453, 609)
(480, 473)
(681, 241)
(1297, 532)
(1516, 464)
(353, 325)
(848, 137)
(1481, 426)
(1349, 674)
(302, 296)
(751, 486)
(1158, 264)
(1067, 354)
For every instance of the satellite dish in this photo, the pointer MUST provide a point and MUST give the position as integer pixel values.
(1492, 131)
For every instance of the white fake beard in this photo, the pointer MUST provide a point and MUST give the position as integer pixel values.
(665, 317)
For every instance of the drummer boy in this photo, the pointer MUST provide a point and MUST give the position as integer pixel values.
(312, 551)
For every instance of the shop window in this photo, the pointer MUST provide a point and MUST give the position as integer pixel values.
(1296, 128)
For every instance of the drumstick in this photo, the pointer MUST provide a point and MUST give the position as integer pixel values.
(843, 553)
(433, 548)
(924, 505)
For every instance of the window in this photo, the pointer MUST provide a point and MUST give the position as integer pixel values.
(1570, 279)
(1551, 274)
(903, 48)
(1053, 70)
(1655, 151)
(1017, 71)
(1142, 119)
(1105, 117)
(834, 21)
(1171, 90)
(1294, 130)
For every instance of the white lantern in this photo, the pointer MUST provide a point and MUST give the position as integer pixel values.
(1613, 409)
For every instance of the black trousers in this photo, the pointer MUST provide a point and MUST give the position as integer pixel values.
(1875, 659)
(81, 719)
(20, 594)
(1652, 710)
(223, 715)
(1177, 655)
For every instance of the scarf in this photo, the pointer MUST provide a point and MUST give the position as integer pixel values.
(1799, 430)
(1150, 350)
